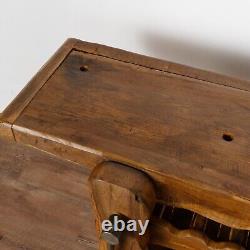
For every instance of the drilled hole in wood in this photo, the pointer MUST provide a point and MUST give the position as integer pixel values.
(227, 137)
(84, 68)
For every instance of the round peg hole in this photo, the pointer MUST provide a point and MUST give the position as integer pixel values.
(227, 137)
(84, 68)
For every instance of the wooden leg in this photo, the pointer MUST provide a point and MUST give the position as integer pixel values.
(122, 190)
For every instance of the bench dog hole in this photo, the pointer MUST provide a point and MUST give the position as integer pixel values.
(84, 68)
(227, 137)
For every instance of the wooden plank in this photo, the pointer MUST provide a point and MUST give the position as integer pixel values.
(172, 121)
(161, 65)
(44, 202)
(165, 124)
(36, 83)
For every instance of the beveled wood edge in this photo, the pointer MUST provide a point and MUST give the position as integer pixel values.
(162, 65)
(16, 107)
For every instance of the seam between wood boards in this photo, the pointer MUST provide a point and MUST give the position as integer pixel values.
(161, 70)
(13, 133)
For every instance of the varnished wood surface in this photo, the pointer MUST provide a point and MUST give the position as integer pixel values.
(157, 116)
(44, 202)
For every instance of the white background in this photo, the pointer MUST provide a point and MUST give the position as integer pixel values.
(213, 35)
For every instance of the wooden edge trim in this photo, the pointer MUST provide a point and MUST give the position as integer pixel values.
(16, 107)
(161, 65)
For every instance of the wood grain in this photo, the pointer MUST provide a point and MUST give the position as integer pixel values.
(119, 189)
(164, 234)
(161, 65)
(44, 202)
(188, 129)
(6, 131)
(169, 125)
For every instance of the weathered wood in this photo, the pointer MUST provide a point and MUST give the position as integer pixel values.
(119, 189)
(44, 202)
(186, 128)
(161, 65)
(168, 125)
(164, 234)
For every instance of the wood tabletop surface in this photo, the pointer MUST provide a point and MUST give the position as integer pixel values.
(92, 103)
